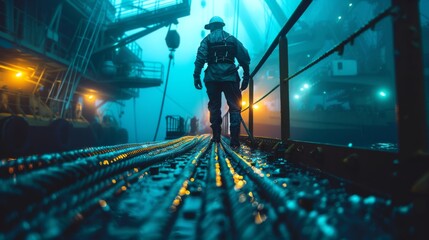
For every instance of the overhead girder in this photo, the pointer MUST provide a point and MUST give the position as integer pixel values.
(277, 11)
(131, 38)
(250, 26)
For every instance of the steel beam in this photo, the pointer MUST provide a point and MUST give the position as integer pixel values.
(277, 12)
(409, 80)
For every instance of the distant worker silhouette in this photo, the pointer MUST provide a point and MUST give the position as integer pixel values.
(4, 104)
(18, 106)
(219, 50)
(194, 126)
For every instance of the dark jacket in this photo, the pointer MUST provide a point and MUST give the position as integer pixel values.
(221, 71)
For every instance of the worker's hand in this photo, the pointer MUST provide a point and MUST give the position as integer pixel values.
(197, 82)
(245, 83)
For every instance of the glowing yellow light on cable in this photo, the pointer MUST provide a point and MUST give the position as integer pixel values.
(102, 203)
(182, 191)
(243, 103)
(18, 74)
(239, 185)
(176, 202)
(260, 218)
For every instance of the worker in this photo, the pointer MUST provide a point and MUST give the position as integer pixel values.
(4, 105)
(18, 106)
(78, 110)
(219, 50)
(34, 103)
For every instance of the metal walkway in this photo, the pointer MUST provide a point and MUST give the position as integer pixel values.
(187, 188)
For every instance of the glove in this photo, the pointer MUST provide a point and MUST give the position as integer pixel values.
(244, 83)
(197, 82)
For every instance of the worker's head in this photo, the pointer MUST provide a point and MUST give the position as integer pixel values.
(215, 23)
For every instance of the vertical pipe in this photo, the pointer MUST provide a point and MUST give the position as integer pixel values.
(284, 88)
(171, 56)
(409, 79)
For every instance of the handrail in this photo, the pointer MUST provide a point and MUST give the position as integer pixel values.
(340, 47)
(302, 7)
(142, 7)
(337, 48)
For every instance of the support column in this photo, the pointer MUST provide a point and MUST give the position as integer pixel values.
(284, 88)
(251, 91)
(409, 79)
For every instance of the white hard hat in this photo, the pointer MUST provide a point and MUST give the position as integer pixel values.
(214, 20)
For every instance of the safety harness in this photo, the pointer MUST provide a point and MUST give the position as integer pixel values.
(221, 52)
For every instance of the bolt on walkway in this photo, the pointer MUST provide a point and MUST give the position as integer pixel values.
(186, 188)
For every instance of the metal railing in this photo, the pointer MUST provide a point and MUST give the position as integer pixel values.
(31, 32)
(290, 23)
(135, 49)
(396, 172)
(142, 70)
(415, 123)
(130, 8)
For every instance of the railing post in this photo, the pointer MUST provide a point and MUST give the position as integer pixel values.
(251, 90)
(302, 7)
(409, 79)
(284, 88)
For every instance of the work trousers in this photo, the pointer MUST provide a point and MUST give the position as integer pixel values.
(232, 94)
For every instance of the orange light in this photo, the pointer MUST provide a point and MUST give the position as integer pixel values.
(18, 74)
(91, 97)
(243, 103)
(102, 203)
(255, 106)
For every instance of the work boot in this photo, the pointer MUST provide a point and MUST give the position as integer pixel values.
(235, 134)
(215, 138)
(216, 135)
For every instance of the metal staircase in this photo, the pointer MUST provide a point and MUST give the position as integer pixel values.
(86, 39)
